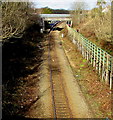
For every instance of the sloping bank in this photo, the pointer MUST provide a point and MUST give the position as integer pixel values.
(96, 93)
(21, 63)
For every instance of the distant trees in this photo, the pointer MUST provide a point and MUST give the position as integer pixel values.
(103, 27)
(97, 20)
(60, 11)
(78, 11)
(47, 10)
(102, 21)
(100, 3)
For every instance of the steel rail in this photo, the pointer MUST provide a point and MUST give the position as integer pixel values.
(52, 91)
(60, 103)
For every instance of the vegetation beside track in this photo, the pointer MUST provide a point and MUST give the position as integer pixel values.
(22, 50)
(95, 24)
(95, 91)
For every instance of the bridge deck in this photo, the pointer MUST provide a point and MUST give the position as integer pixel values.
(55, 15)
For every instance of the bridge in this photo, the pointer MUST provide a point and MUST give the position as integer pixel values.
(53, 19)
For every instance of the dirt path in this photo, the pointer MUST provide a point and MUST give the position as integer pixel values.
(69, 101)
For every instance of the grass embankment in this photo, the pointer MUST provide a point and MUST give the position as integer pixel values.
(96, 92)
(21, 62)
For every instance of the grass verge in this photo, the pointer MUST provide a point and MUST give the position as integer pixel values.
(96, 92)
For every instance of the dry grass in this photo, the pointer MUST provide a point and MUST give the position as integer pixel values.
(98, 30)
(96, 92)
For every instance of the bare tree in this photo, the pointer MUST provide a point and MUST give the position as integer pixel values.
(14, 18)
(102, 22)
(78, 10)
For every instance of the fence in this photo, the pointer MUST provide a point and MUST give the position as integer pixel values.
(101, 60)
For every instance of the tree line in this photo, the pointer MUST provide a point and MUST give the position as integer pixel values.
(16, 18)
(21, 54)
(97, 22)
(47, 10)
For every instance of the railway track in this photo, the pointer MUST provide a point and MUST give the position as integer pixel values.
(60, 102)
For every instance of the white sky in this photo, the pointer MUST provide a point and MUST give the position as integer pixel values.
(62, 4)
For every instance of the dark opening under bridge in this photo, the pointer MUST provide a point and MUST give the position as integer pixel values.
(52, 19)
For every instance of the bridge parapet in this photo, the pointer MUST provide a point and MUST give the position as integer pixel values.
(56, 17)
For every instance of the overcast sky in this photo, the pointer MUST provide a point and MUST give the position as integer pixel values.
(62, 4)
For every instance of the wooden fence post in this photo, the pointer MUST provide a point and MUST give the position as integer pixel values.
(111, 74)
(92, 54)
(103, 65)
(107, 70)
(87, 54)
(97, 59)
(100, 63)
(91, 58)
(94, 57)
